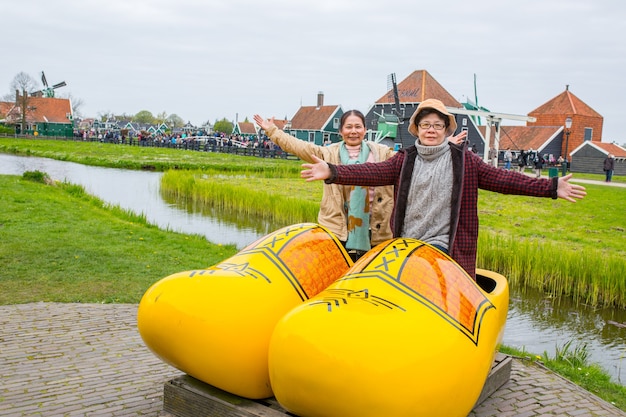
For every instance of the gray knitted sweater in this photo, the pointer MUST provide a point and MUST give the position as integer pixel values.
(428, 205)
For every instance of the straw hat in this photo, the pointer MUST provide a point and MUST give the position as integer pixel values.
(432, 103)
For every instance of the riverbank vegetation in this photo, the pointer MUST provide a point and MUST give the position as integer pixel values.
(575, 250)
(280, 200)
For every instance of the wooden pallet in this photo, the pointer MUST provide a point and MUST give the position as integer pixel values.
(188, 397)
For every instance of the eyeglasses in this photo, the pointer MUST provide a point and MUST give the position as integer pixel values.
(436, 126)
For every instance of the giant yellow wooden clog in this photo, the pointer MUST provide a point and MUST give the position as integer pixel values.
(215, 324)
(406, 332)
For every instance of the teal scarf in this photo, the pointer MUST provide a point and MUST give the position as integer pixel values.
(357, 207)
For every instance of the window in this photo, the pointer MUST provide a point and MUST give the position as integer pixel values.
(336, 123)
(312, 137)
(588, 133)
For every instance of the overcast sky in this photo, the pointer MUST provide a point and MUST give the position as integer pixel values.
(210, 59)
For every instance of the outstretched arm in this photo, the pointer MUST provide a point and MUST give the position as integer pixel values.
(568, 191)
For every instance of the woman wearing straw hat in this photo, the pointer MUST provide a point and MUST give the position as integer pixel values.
(430, 204)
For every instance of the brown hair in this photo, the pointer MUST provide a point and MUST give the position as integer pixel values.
(351, 113)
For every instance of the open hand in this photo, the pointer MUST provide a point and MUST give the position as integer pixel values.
(458, 139)
(264, 124)
(316, 171)
(568, 191)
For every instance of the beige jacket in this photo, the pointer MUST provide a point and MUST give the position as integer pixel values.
(332, 214)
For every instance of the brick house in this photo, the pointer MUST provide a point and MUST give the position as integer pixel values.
(586, 122)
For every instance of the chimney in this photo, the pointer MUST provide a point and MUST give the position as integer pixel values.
(17, 96)
(320, 99)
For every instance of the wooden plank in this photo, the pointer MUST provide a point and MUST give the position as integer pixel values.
(188, 397)
(499, 375)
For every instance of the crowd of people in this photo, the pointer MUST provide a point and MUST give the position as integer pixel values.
(180, 139)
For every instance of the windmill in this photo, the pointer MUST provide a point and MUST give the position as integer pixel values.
(48, 91)
(388, 124)
(473, 105)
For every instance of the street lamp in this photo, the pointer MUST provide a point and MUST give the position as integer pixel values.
(568, 125)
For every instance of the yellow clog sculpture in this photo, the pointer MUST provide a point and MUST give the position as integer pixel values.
(405, 332)
(215, 324)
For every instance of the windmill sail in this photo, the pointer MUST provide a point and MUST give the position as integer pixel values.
(48, 91)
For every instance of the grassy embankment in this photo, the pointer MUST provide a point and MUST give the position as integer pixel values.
(60, 244)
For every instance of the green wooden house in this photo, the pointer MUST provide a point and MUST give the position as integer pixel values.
(317, 124)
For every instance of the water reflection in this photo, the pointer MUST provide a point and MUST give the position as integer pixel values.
(535, 323)
(539, 324)
(260, 226)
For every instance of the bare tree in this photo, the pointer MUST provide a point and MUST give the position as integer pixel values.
(21, 87)
(24, 82)
(174, 120)
(161, 117)
(103, 116)
(76, 105)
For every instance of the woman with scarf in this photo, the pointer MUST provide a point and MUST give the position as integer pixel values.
(350, 212)
(436, 185)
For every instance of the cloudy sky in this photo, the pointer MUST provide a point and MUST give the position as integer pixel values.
(210, 59)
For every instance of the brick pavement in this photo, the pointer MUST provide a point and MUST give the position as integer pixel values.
(89, 360)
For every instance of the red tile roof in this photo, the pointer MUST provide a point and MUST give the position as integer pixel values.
(611, 148)
(5, 107)
(565, 103)
(280, 123)
(313, 117)
(522, 137)
(247, 128)
(44, 110)
(419, 86)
